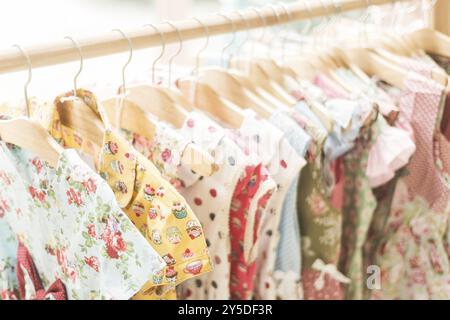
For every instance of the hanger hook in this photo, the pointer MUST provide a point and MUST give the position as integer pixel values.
(163, 49)
(129, 57)
(30, 74)
(77, 46)
(305, 30)
(197, 58)
(247, 29)
(264, 22)
(233, 27)
(365, 16)
(180, 48)
(337, 4)
(325, 21)
(309, 10)
(289, 19)
(277, 16)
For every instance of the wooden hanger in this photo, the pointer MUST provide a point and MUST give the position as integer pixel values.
(261, 76)
(373, 64)
(78, 116)
(28, 134)
(134, 119)
(130, 113)
(204, 98)
(160, 102)
(431, 41)
(164, 103)
(244, 80)
(209, 90)
(231, 86)
(31, 136)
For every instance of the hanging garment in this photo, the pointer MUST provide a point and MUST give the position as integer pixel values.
(358, 209)
(30, 285)
(210, 197)
(8, 253)
(320, 227)
(69, 220)
(412, 253)
(329, 87)
(444, 63)
(316, 133)
(213, 201)
(288, 262)
(390, 152)
(283, 165)
(152, 204)
(165, 150)
(250, 199)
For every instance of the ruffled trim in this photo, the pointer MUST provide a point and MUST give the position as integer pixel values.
(391, 152)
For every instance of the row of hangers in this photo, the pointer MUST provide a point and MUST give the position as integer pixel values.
(257, 83)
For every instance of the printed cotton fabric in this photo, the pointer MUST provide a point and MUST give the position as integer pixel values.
(288, 262)
(213, 199)
(153, 204)
(283, 164)
(412, 252)
(70, 222)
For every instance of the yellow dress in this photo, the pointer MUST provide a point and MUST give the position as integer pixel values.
(153, 204)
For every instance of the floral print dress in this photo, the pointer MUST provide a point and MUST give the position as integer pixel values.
(68, 219)
(283, 164)
(413, 251)
(8, 253)
(152, 203)
(210, 197)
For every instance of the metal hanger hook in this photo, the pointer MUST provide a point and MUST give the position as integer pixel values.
(233, 27)
(263, 34)
(163, 49)
(30, 74)
(77, 46)
(129, 58)
(247, 28)
(325, 21)
(205, 46)
(180, 48)
(364, 17)
(277, 16)
(289, 19)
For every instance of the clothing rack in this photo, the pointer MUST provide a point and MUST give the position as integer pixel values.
(63, 51)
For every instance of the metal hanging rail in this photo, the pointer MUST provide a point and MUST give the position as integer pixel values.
(63, 51)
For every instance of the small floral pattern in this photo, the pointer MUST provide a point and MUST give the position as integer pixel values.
(211, 197)
(283, 164)
(152, 204)
(321, 228)
(69, 220)
(413, 250)
(8, 249)
(358, 210)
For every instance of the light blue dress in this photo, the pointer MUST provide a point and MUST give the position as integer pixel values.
(289, 246)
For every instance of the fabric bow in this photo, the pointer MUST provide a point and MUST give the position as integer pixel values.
(30, 285)
(329, 269)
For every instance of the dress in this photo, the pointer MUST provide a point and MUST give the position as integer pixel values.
(412, 253)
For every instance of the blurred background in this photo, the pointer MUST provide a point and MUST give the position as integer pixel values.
(31, 22)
